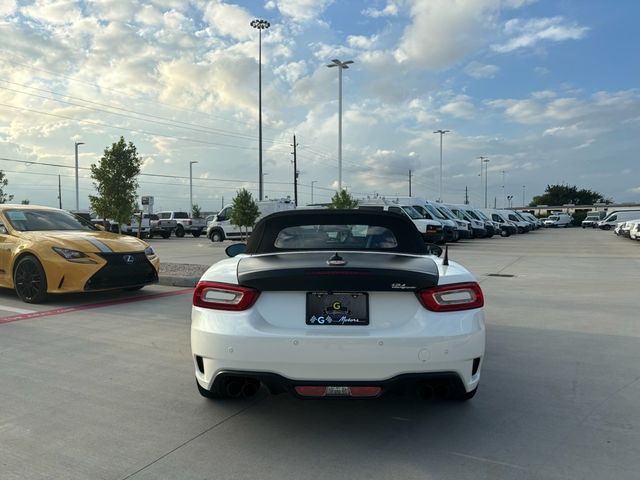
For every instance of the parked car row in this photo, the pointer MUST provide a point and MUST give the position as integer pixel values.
(613, 219)
(162, 224)
(629, 229)
(442, 223)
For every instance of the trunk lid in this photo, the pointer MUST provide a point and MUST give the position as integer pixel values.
(337, 271)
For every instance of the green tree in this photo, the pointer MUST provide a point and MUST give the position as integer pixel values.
(25, 201)
(115, 179)
(196, 211)
(342, 199)
(244, 212)
(4, 198)
(564, 194)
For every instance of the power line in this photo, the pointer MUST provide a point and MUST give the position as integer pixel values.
(98, 124)
(119, 92)
(170, 122)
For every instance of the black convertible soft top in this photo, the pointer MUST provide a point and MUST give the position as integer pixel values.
(265, 232)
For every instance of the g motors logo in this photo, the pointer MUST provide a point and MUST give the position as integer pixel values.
(328, 320)
(337, 306)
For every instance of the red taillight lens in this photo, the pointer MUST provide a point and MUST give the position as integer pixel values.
(223, 296)
(452, 298)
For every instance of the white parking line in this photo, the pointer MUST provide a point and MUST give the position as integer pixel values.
(6, 308)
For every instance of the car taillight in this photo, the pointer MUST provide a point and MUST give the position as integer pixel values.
(452, 298)
(224, 296)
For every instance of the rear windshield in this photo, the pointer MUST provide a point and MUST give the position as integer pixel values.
(39, 220)
(180, 215)
(321, 237)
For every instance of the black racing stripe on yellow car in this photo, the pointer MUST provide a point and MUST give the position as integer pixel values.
(98, 244)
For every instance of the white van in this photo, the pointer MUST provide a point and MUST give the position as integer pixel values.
(558, 220)
(432, 230)
(614, 218)
(221, 228)
(450, 227)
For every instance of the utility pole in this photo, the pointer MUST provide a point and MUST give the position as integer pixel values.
(77, 181)
(295, 172)
(409, 182)
(466, 195)
(523, 204)
(495, 203)
(312, 182)
(60, 193)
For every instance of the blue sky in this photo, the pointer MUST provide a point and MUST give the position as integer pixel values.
(548, 90)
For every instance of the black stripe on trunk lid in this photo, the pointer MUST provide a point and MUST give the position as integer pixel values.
(363, 272)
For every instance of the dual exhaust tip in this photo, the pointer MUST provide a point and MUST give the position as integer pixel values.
(241, 387)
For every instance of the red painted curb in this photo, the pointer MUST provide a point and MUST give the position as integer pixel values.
(90, 306)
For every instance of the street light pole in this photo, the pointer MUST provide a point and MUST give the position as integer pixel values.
(523, 203)
(77, 178)
(191, 186)
(482, 161)
(341, 66)
(260, 25)
(486, 179)
(441, 132)
(314, 181)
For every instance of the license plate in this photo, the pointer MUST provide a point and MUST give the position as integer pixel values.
(341, 308)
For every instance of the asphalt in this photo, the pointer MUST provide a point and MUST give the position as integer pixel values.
(101, 386)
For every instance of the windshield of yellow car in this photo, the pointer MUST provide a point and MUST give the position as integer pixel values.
(25, 220)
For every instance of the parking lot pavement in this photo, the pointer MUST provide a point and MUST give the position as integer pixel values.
(108, 392)
(198, 251)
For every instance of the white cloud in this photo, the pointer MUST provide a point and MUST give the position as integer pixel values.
(459, 107)
(230, 20)
(391, 9)
(361, 41)
(8, 7)
(293, 71)
(300, 10)
(442, 32)
(527, 33)
(544, 94)
(480, 70)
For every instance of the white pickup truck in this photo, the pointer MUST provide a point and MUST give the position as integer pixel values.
(221, 228)
(131, 228)
(185, 224)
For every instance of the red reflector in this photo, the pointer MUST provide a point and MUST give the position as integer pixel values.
(365, 391)
(311, 391)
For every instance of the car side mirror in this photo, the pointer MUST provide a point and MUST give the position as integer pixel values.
(235, 249)
(3, 230)
(433, 249)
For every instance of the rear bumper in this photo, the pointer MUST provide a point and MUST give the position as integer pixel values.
(447, 345)
(405, 383)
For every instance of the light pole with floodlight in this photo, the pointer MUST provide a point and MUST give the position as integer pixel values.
(77, 178)
(260, 25)
(441, 132)
(191, 186)
(341, 66)
(486, 179)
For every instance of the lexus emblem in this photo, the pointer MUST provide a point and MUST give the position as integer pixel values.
(128, 259)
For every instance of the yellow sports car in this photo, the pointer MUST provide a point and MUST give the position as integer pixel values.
(46, 250)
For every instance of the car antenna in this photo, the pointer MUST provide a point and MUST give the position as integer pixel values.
(446, 255)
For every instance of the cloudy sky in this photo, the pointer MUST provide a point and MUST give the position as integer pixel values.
(547, 90)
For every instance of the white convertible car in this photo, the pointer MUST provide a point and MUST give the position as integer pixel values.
(347, 303)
